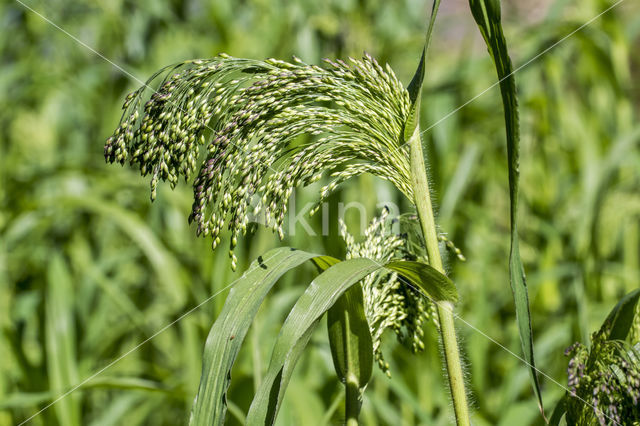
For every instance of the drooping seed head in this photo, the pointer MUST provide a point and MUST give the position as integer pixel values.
(257, 129)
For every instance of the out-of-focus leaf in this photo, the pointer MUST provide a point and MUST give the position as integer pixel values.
(125, 383)
(24, 400)
(558, 414)
(61, 341)
(488, 17)
(168, 270)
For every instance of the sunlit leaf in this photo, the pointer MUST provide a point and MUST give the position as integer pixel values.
(487, 15)
(319, 297)
(231, 326)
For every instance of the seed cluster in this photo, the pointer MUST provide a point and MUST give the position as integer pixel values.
(608, 378)
(248, 123)
(388, 302)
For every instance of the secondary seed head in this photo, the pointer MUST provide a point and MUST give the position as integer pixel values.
(389, 303)
(608, 377)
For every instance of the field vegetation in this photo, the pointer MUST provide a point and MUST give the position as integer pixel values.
(94, 278)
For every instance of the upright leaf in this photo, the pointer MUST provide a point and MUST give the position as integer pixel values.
(60, 341)
(321, 294)
(231, 326)
(487, 15)
(415, 85)
(319, 297)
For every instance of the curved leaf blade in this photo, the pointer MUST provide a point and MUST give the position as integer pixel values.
(231, 326)
(620, 320)
(487, 15)
(437, 286)
(321, 295)
(349, 335)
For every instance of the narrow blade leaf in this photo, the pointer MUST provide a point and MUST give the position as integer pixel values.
(558, 413)
(427, 279)
(487, 16)
(60, 341)
(349, 336)
(321, 295)
(231, 326)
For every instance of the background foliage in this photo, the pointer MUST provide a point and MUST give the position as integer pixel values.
(89, 268)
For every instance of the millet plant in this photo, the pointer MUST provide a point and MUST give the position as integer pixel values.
(604, 379)
(235, 125)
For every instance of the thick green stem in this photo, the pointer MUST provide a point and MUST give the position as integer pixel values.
(445, 309)
(352, 403)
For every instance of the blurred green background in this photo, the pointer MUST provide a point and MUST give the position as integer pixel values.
(89, 268)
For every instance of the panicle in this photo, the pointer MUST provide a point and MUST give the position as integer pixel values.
(389, 303)
(251, 131)
(608, 377)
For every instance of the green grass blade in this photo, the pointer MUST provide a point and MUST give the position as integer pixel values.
(558, 413)
(168, 270)
(60, 341)
(350, 337)
(321, 295)
(231, 326)
(487, 15)
(415, 85)
(427, 279)
(25, 400)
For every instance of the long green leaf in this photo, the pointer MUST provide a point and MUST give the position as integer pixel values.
(350, 337)
(321, 294)
(60, 341)
(558, 413)
(415, 85)
(487, 15)
(319, 297)
(231, 326)
(437, 286)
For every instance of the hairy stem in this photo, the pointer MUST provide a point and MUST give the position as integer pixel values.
(445, 309)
